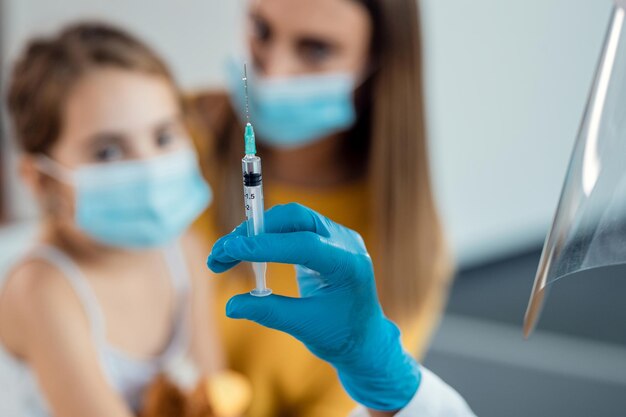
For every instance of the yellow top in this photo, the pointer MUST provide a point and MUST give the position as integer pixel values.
(287, 380)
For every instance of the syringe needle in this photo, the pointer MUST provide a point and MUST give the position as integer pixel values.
(245, 81)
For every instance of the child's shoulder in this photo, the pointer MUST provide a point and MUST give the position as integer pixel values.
(33, 279)
(35, 294)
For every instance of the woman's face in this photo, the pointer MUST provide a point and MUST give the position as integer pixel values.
(296, 37)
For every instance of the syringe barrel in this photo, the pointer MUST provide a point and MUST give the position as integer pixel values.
(253, 198)
(253, 194)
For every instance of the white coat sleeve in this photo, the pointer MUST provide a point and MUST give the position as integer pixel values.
(434, 398)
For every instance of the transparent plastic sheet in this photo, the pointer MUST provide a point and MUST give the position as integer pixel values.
(589, 228)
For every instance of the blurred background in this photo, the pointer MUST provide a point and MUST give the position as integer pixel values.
(506, 88)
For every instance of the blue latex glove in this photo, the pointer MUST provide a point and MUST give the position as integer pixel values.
(339, 317)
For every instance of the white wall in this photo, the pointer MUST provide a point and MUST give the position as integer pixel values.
(507, 84)
(192, 35)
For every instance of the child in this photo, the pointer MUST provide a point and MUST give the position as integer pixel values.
(115, 292)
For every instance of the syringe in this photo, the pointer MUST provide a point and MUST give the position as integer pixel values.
(253, 196)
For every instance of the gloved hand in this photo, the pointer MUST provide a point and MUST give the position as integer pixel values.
(338, 316)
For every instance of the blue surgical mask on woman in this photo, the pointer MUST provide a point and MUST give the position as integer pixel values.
(292, 112)
(136, 204)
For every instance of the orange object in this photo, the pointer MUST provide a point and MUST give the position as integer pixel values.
(225, 394)
(163, 399)
(228, 393)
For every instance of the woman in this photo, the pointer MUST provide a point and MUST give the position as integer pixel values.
(336, 98)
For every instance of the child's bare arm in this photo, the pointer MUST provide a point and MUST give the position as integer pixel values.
(205, 344)
(45, 322)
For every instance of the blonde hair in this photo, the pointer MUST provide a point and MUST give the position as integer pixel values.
(410, 253)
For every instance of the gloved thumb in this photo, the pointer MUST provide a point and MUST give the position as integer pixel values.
(274, 311)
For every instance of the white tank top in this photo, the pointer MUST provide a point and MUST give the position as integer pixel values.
(129, 376)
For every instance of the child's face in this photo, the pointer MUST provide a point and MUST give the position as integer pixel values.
(114, 115)
(110, 115)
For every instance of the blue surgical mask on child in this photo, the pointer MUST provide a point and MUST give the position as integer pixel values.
(136, 204)
(295, 111)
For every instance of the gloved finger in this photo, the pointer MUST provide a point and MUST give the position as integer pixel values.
(219, 267)
(285, 218)
(289, 315)
(294, 217)
(298, 248)
(218, 261)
